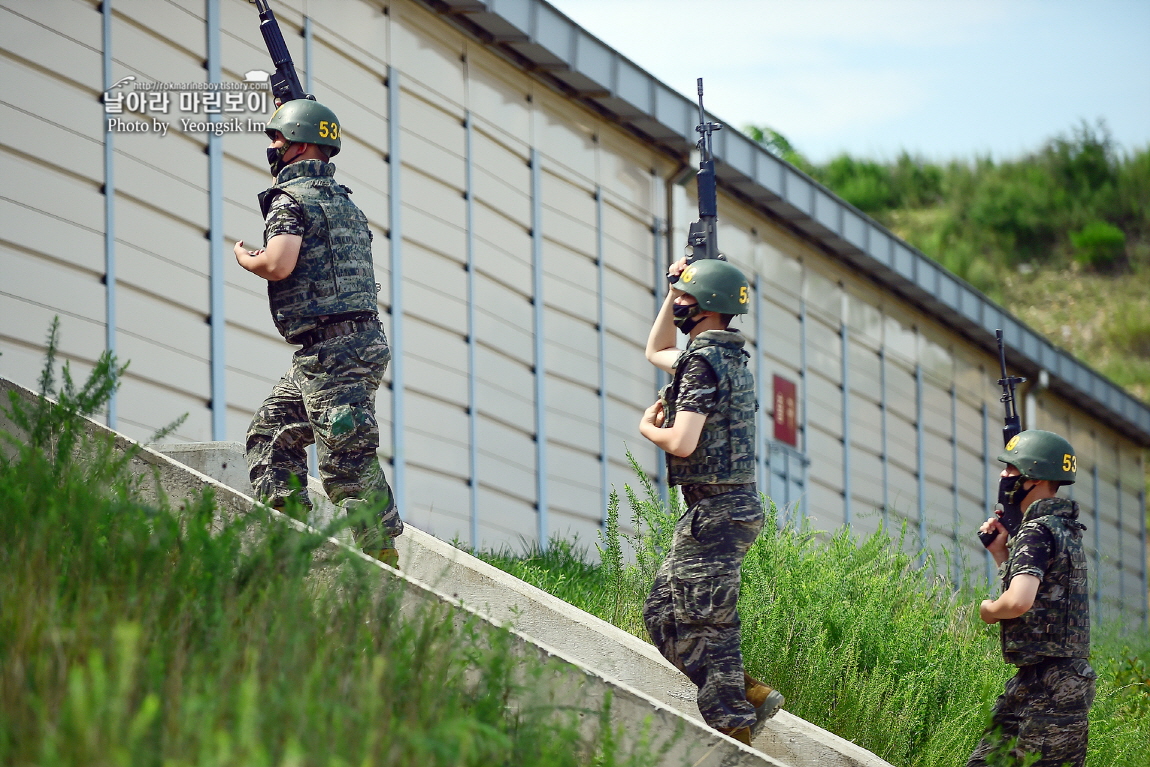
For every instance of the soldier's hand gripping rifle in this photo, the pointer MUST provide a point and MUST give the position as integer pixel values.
(284, 81)
(702, 239)
(1012, 426)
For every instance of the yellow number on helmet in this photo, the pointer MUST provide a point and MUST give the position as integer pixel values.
(1013, 441)
(743, 294)
(689, 274)
(323, 128)
(1069, 462)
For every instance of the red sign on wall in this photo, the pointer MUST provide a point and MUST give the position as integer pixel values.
(786, 405)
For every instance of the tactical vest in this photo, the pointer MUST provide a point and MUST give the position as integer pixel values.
(726, 451)
(334, 273)
(1058, 624)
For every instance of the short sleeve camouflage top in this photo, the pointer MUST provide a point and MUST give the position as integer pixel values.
(698, 387)
(285, 216)
(1032, 551)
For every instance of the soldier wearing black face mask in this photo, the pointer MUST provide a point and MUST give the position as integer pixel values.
(1044, 609)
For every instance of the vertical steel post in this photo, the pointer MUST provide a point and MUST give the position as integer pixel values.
(307, 53)
(920, 457)
(885, 447)
(472, 403)
(990, 494)
(659, 229)
(1121, 542)
(601, 342)
(1145, 574)
(958, 558)
(760, 392)
(109, 209)
(540, 346)
(803, 374)
(844, 338)
(395, 235)
(216, 240)
(1097, 542)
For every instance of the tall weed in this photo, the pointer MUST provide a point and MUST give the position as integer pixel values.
(137, 634)
(861, 639)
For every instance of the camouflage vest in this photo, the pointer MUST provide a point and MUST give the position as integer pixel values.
(334, 273)
(726, 451)
(1058, 624)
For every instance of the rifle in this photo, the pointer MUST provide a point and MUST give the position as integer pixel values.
(284, 81)
(1010, 430)
(702, 239)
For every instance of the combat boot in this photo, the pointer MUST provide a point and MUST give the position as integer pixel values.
(741, 734)
(765, 699)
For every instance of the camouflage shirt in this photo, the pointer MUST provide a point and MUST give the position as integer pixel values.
(1049, 547)
(285, 216)
(711, 377)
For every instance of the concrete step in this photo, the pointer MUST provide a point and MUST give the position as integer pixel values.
(589, 641)
(637, 715)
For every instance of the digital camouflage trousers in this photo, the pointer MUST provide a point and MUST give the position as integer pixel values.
(691, 613)
(1044, 712)
(326, 397)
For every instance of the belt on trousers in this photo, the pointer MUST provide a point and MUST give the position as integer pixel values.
(692, 494)
(337, 329)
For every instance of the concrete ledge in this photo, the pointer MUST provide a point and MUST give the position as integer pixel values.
(587, 640)
(687, 741)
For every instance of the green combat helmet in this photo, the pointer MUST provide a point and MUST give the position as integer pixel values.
(304, 121)
(1041, 454)
(717, 286)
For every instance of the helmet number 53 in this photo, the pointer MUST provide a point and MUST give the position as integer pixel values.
(1069, 462)
(328, 129)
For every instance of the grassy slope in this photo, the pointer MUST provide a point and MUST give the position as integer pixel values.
(136, 635)
(859, 639)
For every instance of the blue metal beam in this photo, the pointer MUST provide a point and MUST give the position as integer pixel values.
(472, 402)
(659, 230)
(307, 54)
(395, 234)
(760, 393)
(883, 426)
(845, 341)
(540, 347)
(601, 319)
(957, 523)
(920, 453)
(991, 496)
(1097, 542)
(109, 209)
(1145, 574)
(216, 240)
(803, 395)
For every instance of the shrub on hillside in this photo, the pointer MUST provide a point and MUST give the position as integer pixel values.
(1098, 245)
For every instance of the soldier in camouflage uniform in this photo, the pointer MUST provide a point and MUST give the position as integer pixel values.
(322, 291)
(705, 421)
(1044, 612)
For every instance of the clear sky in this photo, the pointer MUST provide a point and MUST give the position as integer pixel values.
(944, 78)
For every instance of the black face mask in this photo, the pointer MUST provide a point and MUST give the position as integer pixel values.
(685, 316)
(276, 158)
(1010, 495)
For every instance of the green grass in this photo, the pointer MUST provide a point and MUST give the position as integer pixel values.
(134, 634)
(860, 640)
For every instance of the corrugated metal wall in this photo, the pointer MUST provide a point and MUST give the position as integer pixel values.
(528, 257)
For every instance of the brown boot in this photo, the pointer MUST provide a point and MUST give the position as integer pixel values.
(741, 734)
(766, 700)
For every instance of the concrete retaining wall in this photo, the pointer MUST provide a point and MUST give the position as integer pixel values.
(589, 641)
(688, 741)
